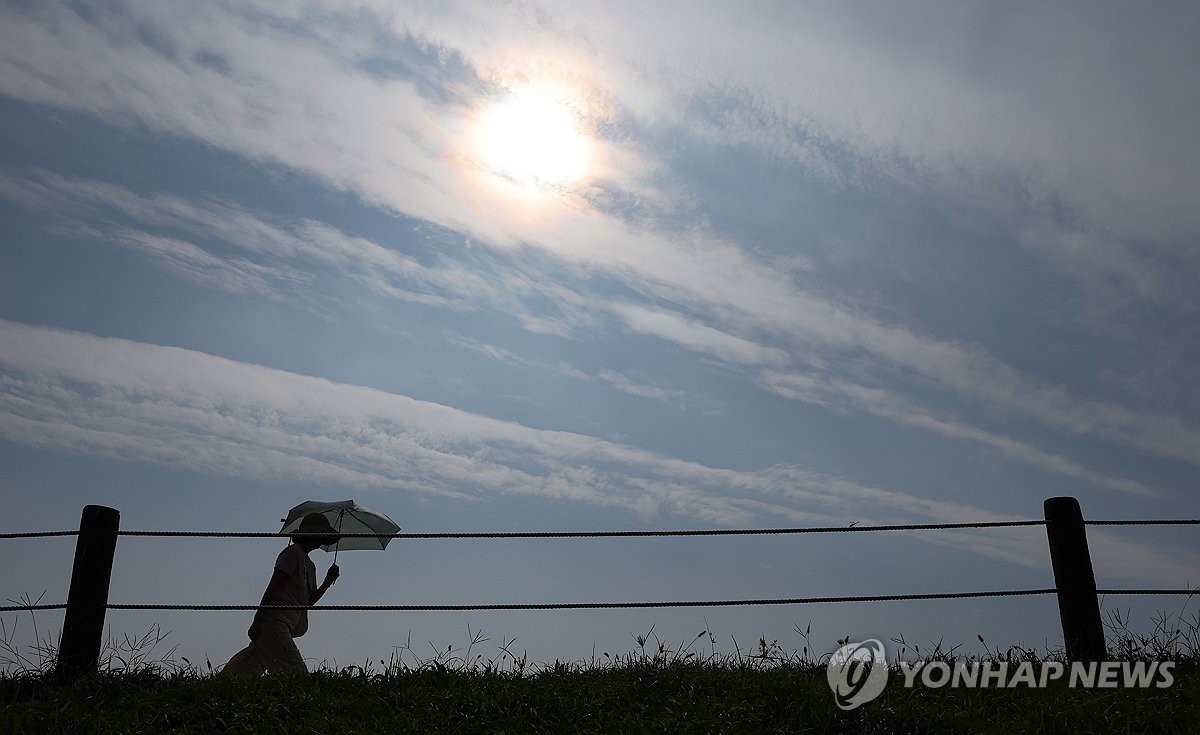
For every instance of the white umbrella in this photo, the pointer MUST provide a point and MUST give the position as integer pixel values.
(346, 516)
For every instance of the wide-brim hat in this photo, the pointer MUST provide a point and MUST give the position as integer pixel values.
(318, 526)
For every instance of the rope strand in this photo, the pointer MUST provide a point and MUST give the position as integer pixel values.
(602, 605)
(626, 605)
(1159, 522)
(621, 534)
(604, 534)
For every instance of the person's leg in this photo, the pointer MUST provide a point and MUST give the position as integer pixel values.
(279, 652)
(245, 661)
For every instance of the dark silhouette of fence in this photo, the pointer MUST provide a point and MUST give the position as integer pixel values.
(1074, 579)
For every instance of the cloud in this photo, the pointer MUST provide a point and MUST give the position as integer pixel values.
(626, 384)
(840, 394)
(616, 379)
(1118, 279)
(288, 252)
(297, 93)
(1026, 96)
(490, 351)
(1021, 112)
(173, 406)
(294, 252)
(695, 336)
(165, 405)
(193, 263)
(836, 393)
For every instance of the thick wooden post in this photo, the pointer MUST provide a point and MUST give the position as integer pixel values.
(87, 600)
(1078, 606)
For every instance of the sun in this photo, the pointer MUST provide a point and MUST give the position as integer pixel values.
(533, 136)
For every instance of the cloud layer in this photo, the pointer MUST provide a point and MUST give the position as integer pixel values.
(796, 332)
(233, 82)
(185, 409)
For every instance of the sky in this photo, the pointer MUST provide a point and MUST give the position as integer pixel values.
(524, 266)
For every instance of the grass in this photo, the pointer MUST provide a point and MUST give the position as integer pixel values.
(656, 687)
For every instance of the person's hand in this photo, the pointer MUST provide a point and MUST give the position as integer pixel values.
(332, 575)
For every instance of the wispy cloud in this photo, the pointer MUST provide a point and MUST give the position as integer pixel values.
(626, 384)
(168, 405)
(187, 260)
(676, 328)
(614, 378)
(814, 89)
(397, 145)
(286, 250)
(836, 393)
(291, 249)
(1117, 277)
(146, 403)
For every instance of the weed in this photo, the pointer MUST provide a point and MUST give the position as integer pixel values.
(125, 655)
(40, 655)
(687, 686)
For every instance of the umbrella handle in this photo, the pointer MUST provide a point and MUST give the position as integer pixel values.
(337, 544)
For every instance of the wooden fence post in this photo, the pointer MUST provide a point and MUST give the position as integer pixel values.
(87, 600)
(1078, 606)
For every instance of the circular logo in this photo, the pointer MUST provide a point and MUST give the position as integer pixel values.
(857, 673)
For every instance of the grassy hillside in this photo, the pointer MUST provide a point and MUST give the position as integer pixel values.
(630, 697)
(655, 688)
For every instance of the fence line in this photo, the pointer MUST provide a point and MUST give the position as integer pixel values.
(602, 534)
(1163, 522)
(1074, 580)
(564, 534)
(38, 534)
(622, 534)
(618, 605)
(23, 608)
(603, 605)
(1148, 592)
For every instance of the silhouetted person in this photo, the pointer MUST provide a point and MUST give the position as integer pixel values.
(272, 647)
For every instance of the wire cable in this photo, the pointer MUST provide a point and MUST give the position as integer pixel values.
(616, 605)
(1148, 592)
(38, 534)
(1159, 522)
(622, 534)
(22, 608)
(601, 534)
(601, 605)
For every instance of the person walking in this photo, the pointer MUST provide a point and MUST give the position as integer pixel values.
(273, 632)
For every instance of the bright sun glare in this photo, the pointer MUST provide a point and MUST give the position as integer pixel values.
(533, 136)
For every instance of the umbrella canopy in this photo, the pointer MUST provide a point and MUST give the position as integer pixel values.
(346, 516)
